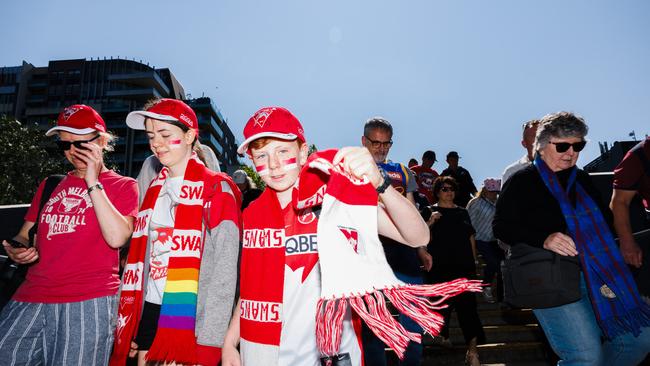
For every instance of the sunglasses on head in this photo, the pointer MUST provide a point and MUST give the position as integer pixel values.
(448, 189)
(65, 145)
(564, 146)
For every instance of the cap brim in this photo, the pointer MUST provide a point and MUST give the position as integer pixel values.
(76, 131)
(282, 136)
(136, 119)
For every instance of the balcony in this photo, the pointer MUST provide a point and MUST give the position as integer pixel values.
(9, 89)
(144, 78)
(134, 93)
(42, 111)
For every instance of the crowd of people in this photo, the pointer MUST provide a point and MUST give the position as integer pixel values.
(221, 272)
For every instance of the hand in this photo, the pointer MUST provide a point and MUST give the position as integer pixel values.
(561, 244)
(230, 356)
(632, 253)
(20, 255)
(134, 350)
(425, 258)
(93, 157)
(358, 162)
(435, 216)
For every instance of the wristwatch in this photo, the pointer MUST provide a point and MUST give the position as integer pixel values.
(382, 188)
(95, 186)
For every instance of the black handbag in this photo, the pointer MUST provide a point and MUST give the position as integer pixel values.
(538, 278)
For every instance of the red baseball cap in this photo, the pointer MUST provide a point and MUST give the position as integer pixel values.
(275, 122)
(164, 110)
(79, 119)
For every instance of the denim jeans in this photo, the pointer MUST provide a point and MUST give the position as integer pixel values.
(575, 336)
(374, 349)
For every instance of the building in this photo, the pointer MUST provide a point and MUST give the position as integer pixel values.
(114, 87)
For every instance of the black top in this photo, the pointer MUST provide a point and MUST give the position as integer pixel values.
(465, 182)
(528, 213)
(450, 245)
(401, 258)
(249, 196)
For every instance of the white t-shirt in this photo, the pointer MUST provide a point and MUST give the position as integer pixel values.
(300, 297)
(160, 233)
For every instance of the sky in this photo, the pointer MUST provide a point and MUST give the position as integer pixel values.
(449, 75)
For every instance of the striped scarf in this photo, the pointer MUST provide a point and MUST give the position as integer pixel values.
(612, 291)
(175, 340)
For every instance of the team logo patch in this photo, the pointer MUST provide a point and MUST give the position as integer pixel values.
(607, 292)
(353, 237)
(306, 216)
(68, 112)
(261, 116)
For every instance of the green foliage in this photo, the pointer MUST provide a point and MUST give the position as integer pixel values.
(254, 176)
(27, 157)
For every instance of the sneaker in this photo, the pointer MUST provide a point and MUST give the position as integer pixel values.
(442, 342)
(488, 295)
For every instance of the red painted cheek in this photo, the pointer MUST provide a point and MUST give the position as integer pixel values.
(262, 170)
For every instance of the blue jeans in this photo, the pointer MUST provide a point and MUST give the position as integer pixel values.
(374, 349)
(575, 336)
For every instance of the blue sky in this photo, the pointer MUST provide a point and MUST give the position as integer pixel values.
(449, 75)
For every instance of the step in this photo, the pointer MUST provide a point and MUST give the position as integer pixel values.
(501, 317)
(503, 334)
(527, 353)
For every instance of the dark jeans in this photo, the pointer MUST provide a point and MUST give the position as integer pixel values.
(468, 319)
(374, 349)
(493, 255)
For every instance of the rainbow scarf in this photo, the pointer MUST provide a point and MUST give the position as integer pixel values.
(175, 340)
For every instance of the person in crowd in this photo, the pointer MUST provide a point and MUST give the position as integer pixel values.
(481, 211)
(527, 141)
(632, 176)
(551, 204)
(274, 140)
(466, 187)
(453, 249)
(412, 162)
(63, 313)
(179, 283)
(152, 166)
(249, 190)
(425, 175)
(406, 262)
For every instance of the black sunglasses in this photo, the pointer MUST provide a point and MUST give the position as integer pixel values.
(376, 144)
(448, 189)
(562, 147)
(65, 145)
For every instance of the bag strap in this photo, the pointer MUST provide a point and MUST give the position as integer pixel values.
(639, 151)
(50, 184)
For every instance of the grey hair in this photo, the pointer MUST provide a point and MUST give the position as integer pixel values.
(377, 123)
(559, 125)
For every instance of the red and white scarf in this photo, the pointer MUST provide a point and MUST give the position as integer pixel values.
(175, 337)
(354, 270)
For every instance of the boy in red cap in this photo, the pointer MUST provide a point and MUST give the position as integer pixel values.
(275, 320)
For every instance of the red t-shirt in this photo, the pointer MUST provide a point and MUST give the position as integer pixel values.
(76, 263)
(630, 174)
(425, 178)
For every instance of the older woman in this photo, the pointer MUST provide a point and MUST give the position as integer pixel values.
(63, 314)
(553, 205)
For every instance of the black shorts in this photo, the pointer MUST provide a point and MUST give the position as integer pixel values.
(148, 326)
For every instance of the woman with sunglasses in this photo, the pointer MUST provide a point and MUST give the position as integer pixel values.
(63, 314)
(551, 204)
(453, 249)
(179, 283)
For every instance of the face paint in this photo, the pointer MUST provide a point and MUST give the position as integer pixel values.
(262, 170)
(175, 143)
(289, 164)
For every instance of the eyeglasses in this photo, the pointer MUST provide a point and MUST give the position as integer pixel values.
(448, 189)
(65, 145)
(377, 144)
(562, 147)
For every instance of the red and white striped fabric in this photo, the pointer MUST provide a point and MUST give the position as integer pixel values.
(354, 269)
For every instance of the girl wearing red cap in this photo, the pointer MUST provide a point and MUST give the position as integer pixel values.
(64, 311)
(179, 283)
(275, 320)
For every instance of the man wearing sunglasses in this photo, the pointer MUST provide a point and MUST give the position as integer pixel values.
(405, 261)
(527, 141)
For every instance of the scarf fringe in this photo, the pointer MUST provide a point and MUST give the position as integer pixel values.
(631, 322)
(173, 345)
(411, 300)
